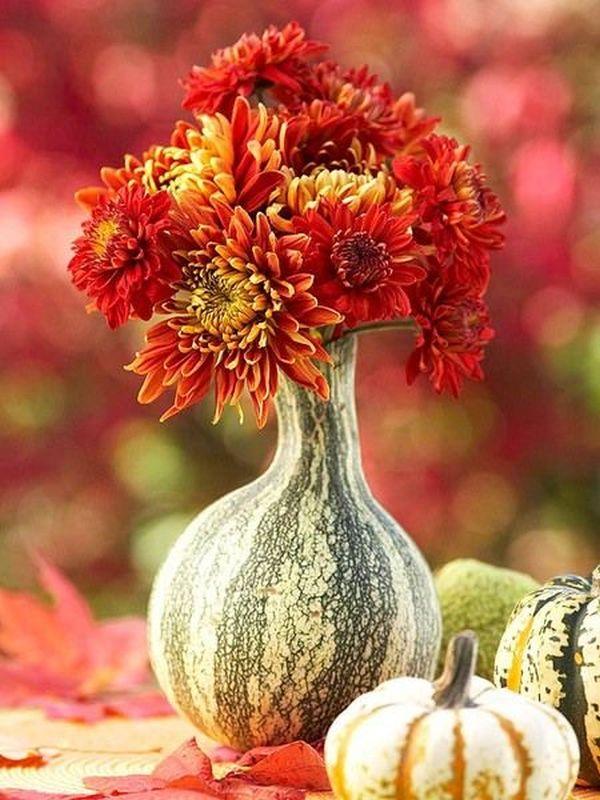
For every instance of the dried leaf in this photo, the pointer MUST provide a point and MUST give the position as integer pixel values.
(222, 753)
(278, 773)
(235, 789)
(165, 794)
(256, 754)
(297, 765)
(59, 658)
(187, 760)
(282, 773)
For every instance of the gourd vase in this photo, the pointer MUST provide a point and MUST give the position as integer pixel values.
(287, 598)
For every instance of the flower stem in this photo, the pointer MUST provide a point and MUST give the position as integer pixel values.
(398, 324)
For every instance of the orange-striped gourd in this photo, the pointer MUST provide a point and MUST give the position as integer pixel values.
(457, 739)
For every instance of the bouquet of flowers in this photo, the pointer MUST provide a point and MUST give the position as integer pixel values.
(305, 202)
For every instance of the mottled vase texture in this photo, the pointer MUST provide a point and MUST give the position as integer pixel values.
(287, 598)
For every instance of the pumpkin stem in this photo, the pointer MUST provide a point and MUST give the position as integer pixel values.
(596, 582)
(451, 690)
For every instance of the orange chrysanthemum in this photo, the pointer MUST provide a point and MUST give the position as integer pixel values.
(237, 160)
(159, 168)
(390, 125)
(299, 194)
(276, 60)
(118, 261)
(361, 262)
(243, 312)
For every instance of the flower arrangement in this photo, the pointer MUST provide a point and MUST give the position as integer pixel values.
(305, 202)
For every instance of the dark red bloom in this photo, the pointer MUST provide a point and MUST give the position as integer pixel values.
(388, 124)
(454, 330)
(456, 207)
(326, 136)
(118, 261)
(276, 60)
(348, 120)
(361, 262)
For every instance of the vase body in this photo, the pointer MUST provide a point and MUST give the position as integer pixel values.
(287, 598)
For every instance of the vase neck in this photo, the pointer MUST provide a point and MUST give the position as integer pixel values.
(310, 428)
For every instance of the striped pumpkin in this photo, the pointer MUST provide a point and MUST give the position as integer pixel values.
(550, 652)
(288, 598)
(457, 739)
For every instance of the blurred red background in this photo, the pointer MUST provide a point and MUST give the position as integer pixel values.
(510, 473)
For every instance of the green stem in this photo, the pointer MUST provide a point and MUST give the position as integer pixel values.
(398, 324)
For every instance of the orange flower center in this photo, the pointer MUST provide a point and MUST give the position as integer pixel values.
(360, 261)
(102, 233)
(227, 303)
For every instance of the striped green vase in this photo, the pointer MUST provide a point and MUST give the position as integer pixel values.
(287, 598)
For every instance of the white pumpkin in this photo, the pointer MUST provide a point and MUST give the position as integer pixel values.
(456, 739)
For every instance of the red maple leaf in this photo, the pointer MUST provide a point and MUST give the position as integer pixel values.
(288, 772)
(59, 658)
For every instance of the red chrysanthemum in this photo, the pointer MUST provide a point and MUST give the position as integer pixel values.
(388, 124)
(454, 328)
(361, 262)
(456, 207)
(117, 260)
(276, 60)
(243, 311)
(327, 137)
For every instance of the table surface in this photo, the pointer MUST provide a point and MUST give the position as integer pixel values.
(111, 747)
